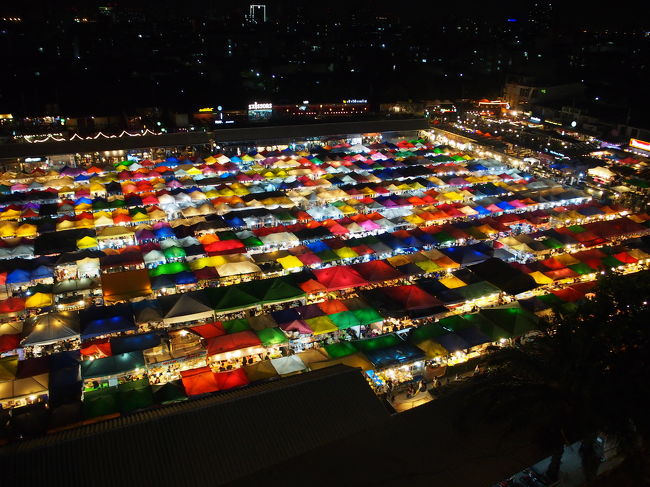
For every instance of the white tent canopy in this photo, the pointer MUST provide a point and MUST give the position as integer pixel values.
(37, 384)
(50, 328)
(288, 365)
(188, 309)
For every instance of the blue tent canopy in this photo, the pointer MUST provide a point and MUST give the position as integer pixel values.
(102, 320)
(18, 276)
(482, 210)
(162, 282)
(41, 272)
(235, 221)
(318, 246)
(504, 205)
(164, 232)
(114, 365)
(473, 336)
(184, 277)
(452, 342)
(132, 343)
(397, 354)
(465, 255)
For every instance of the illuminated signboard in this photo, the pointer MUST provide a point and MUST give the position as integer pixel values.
(640, 144)
(260, 106)
(260, 111)
(206, 109)
(354, 102)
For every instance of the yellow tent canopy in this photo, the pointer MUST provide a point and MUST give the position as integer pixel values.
(432, 349)
(540, 278)
(39, 300)
(86, 243)
(452, 282)
(290, 262)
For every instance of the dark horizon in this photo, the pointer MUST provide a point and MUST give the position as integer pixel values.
(119, 57)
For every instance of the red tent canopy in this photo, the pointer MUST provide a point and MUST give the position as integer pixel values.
(12, 305)
(564, 273)
(9, 342)
(209, 330)
(363, 249)
(412, 297)
(339, 277)
(568, 295)
(199, 381)
(309, 258)
(552, 264)
(231, 379)
(584, 287)
(589, 254)
(625, 258)
(101, 348)
(224, 246)
(377, 270)
(206, 274)
(233, 341)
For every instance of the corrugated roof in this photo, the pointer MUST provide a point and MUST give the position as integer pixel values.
(212, 440)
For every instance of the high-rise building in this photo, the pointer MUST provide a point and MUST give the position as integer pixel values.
(257, 14)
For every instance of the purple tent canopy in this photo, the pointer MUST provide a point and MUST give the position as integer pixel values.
(458, 182)
(297, 325)
(144, 235)
(309, 311)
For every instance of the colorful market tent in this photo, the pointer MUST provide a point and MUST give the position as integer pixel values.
(50, 328)
(113, 365)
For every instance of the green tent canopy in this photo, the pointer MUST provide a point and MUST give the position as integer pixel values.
(378, 343)
(552, 243)
(581, 268)
(252, 241)
(170, 392)
(135, 395)
(340, 349)
(426, 332)
(477, 290)
(275, 290)
(367, 316)
(100, 402)
(443, 237)
(344, 319)
(234, 326)
(230, 298)
(169, 269)
(271, 336)
(512, 318)
(174, 253)
(454, 323)
(488, 327)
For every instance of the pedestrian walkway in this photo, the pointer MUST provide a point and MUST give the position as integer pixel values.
(402, 402)
(571, 472)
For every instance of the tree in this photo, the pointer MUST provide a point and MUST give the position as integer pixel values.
(586, 374)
